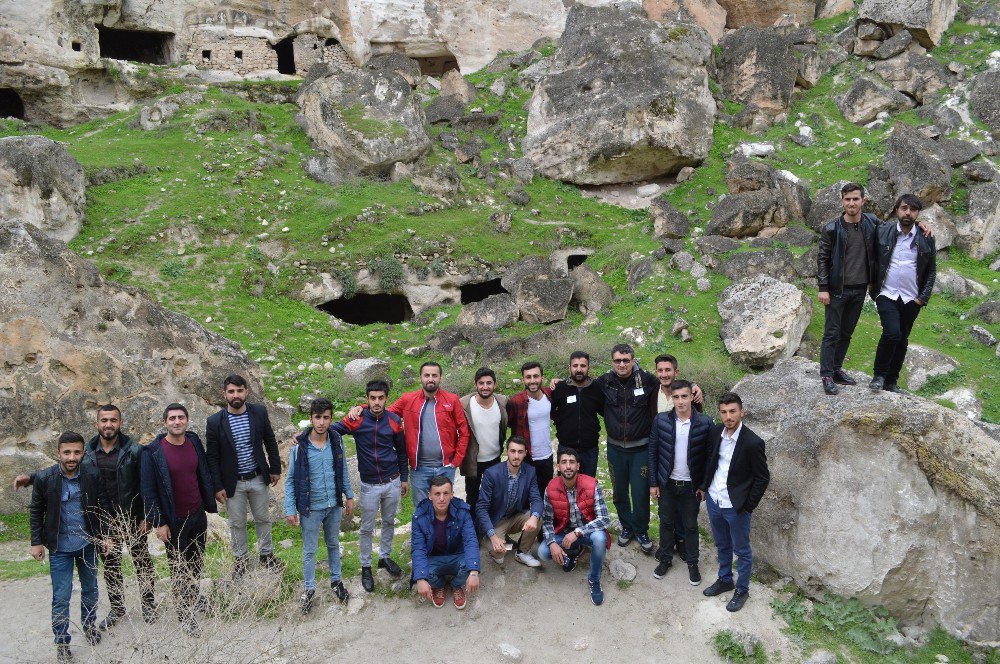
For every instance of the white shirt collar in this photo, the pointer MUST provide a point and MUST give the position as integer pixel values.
(736, 434)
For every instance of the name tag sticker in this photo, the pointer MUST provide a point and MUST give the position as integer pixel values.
(638, 392)
(571, 399)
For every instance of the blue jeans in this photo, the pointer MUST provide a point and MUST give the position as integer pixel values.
(420, 480)
(61, 572)
(731, 530)
(329, 519)
(598, 543)
(442, 567)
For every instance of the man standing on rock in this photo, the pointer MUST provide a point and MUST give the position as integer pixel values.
(904, 280)
(530, 415)
(486, 413)
(237, 438)
(177, 494)
(117, 458)
(736, 476)
(510, 503)
(574, 516)
(381, 450)
(576, 403)
(628, 417)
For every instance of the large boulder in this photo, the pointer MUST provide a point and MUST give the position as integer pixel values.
(748, 213)
(915, 167)
(709, 14)
(668, 221)
(544, 300)
(41, 184)
(979, 231)
(71, 340)
(526, 269)
(985, 100)
(775, 263)
(763, 320)
(925, 19)
(590, 292)
(826, 205)
(919, 76)
(891, 499)
(626, 99)
(757, 66)
(365, 120)
(866, 99)
(943, 226)
(493, 313)
(364, 369)
(924, 363)
(762, 13)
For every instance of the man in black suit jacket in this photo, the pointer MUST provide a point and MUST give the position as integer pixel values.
(736, 477)
(236, 440)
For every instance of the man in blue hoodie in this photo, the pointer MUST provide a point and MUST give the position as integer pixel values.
(444, 546)
(315, 487)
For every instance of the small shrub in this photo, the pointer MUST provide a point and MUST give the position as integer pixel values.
(172, 269)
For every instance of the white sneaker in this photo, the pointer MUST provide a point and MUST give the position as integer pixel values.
(526, 558)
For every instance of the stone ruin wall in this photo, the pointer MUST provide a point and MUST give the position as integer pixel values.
(233, 53)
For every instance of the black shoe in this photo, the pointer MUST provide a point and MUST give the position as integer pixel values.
(93, 635)
(681, 549)
(718, 588)
(842, 378)
(596, 592)
(240, 566)
(63, 653)
(149, 612)
(367, 580)
(645, 543)
(878, 382)
(569, 562)
(625, 537)
(271, 563)
(661, 569)
(390, 566)
(306, 600)
(339, 590)
(694, 575)
(829, 386)
(739, 599)
(113, 619)
(895, 389)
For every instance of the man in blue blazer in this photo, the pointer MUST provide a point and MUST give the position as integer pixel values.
(509, 502)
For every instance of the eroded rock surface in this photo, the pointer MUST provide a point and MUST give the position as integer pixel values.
(41, 184)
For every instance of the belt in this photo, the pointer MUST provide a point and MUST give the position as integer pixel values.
(392, 478)
(248, 476)
(679, 482)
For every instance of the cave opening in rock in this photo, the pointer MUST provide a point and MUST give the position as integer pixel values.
(575, 260)
(286, 56)
(481, 290)
(367, 309)
(136, 45)
(11, 104)
(437, 65)
(331, 42)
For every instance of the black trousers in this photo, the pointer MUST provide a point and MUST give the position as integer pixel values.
(544, 472)
(186, 556)
(123, 532)
(842, 316)
(472, 484)
(678, 496)
(897, 321)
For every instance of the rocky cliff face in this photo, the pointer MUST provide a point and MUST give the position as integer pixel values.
(889, 498)
(71, 341)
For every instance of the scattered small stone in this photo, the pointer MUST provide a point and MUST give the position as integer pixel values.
(286, 544)
(679, 325)
(685, 174)
(512, 653)
(822, 657)
(982, 335)
(622, 571)
(581, 644)
(648, 190)
(704, 284)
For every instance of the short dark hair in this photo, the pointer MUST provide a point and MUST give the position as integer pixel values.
(377, 386)
(109, 407)
(666, 358)
(624, 349)
(731, 397)
(440, 480)
(909, 199)
(579, 354)
(567, 451)
(174, 406)
(517, 440)
(320, 406)
(67, 437)
(483, 372)
(852, 186)
(681, 384)
(531, 365)
(234, 379)
(429, 364)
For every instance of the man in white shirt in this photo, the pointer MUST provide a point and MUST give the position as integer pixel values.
(905, 273)
(735, 479)
(529, 415)
(486, 412)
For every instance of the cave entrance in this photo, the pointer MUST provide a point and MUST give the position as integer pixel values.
(136, 45)
(575, 260)
(366, 309)
(11, 104)
(286, 56)
(437, 65)
(479, 291)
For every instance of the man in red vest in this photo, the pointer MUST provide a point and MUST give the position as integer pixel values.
(575, 515)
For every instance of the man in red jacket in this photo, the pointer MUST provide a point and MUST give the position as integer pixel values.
(529, 416)
(435, 429)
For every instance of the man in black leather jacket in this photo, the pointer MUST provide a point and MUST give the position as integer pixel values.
(905, 270)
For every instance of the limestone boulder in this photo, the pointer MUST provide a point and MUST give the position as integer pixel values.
(872, 497)
(979, 231)
(745, 174)
(454, 84)
(544, 300)
(668, 221)
(914, 165)
(989, 311)
(748, 213)
(957, 152)
(942, 224)
(763, 320)
(925, 19)
(919, 76)
(866, 99)
(590, 292)
(493, 313)
(364, 369)
(366, 120)
(525, 269)
(708, 14)
(626, 99)
(757, 66)
(774, 263)
(41, 184)
(951, 282)
(924, 363)
(985, 100)
(764, 13)
(97, 342)
(826, 205)
(796, 194)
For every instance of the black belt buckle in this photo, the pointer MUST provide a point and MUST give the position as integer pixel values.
(681, 482)
(249, 476)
